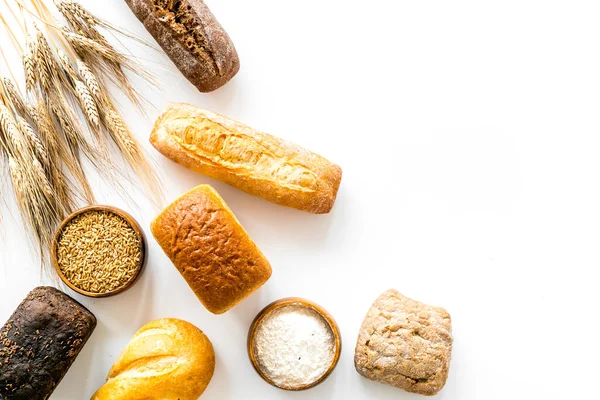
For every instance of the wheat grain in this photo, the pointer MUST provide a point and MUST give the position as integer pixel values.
(29, 64)
(75, 143)
(86, 46)
(87, 102)
(44, 184)
(24, 198)
(43, 60)
(14, 96)
(122, 134)
(16, 177)
(10, 130)
(46, 129)
(69, 9)
(32, 112)
(34, 141)
(90, 80)
(65, 63)
(99, 251)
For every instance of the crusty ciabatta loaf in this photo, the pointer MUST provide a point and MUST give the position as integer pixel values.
(211, 249)
(255, 162)
(191, 35)
(166, 359)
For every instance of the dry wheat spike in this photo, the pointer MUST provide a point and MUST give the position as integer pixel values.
(65, 113)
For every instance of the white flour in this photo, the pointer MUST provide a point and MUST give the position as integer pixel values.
(294, 346)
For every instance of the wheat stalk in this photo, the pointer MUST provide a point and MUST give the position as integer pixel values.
(44, 60)
(93, 47)
(10, 130)
(65, 62)
(29, 64)
(121, 133)
(57, 153)
(86, 47)
(88, 103)
(43, 134)
(34, 141)
(90, 80)
(70, 8)
(34, 193)
(44, 183)
(14, 96)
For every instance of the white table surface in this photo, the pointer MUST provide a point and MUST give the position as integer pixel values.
(468, 133)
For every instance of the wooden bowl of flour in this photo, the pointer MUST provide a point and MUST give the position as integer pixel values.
(294, 344)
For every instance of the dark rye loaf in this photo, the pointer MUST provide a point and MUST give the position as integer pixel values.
(192, 37)
(39, 343)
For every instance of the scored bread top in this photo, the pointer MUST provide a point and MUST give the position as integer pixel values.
(210, 248)
(255, 162)
(167, 358)
(192, 37)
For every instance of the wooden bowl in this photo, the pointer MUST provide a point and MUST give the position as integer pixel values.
(296, 301)
(130, 220)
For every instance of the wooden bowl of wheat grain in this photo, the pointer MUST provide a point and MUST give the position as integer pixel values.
(99, 251)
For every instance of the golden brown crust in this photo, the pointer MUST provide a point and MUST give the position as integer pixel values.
(210, 248)
(252, 161)
(405, 344)
(165, 359)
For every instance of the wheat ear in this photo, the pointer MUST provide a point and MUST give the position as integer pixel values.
(86, 101)
(29, 63)
(90, 80)
(34, 140)
(14, 140)
(13, 96)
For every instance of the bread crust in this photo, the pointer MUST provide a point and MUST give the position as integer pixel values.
(166, 359)
(405, 344)
(211, 249)
(252, 161)
(192, 37)
(39, 343)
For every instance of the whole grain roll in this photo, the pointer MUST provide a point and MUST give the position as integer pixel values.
(405, 343)
(192, 37)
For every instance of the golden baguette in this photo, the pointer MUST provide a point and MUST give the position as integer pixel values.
(252, 161)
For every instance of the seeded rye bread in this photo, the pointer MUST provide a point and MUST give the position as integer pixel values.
(210, 248)
(39, 343)
(405, 344)
(192, 37)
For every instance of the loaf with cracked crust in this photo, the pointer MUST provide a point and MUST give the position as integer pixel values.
(209, 247)
(405, 344)
(166, 359)
(252, 161)
(192, 37)
(39, 343)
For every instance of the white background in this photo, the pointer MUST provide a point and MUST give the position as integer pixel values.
(468, 136)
